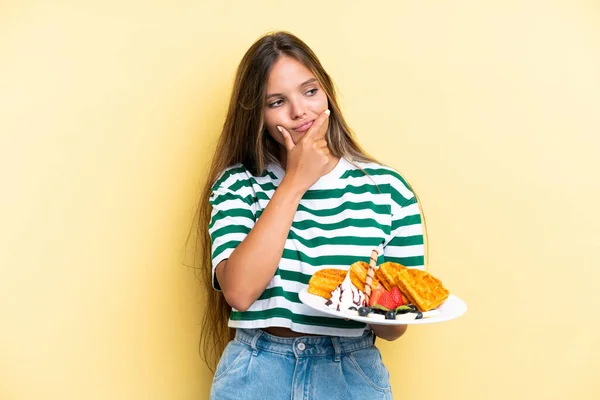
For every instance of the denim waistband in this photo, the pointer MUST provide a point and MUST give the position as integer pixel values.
(303, 346)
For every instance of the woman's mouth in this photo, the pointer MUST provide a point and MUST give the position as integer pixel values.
(304, 127)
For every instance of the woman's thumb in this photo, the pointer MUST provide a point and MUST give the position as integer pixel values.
(289, 143)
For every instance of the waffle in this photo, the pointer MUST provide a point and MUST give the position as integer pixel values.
(358, 276)
(420, 287)
(324, 281)
(423, 289)
(387, 274)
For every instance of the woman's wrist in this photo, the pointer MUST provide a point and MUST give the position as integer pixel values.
(292, 188)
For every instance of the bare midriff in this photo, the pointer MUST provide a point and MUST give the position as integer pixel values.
(284, 332)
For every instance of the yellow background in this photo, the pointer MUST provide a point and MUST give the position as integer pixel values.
(109, 112)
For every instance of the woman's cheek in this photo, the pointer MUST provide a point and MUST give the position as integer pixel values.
(321, 102)
(271, 126)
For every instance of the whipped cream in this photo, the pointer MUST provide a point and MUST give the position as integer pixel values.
(346, 295)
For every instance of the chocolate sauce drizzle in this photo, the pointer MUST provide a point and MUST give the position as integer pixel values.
(355, 298)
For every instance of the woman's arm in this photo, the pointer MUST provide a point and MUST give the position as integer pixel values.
(251, 266)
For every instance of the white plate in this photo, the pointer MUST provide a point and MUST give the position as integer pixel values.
(452, 308)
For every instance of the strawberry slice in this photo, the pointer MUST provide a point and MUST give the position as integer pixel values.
(397, 296)
(387, 301)
(375, 295)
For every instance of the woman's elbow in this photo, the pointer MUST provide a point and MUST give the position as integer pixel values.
(237, 294)
(240, 301)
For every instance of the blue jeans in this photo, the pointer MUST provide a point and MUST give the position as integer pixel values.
(257, 365)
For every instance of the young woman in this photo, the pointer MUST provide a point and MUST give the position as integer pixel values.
(291, 192)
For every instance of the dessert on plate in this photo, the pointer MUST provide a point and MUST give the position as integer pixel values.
(388, 291)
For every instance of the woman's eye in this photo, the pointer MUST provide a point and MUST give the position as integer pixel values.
(275, 104)
(311, 92)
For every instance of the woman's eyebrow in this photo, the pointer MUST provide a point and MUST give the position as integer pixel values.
(308, 82)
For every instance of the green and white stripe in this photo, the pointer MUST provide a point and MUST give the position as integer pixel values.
(339, 221)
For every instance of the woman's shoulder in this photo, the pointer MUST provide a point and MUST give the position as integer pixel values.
(380, 172)
(229, 176)
(238, 174)
(387, 178)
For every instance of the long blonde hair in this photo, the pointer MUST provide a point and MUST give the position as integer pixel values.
(244, 140)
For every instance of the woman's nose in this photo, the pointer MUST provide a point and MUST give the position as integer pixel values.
(297, 109)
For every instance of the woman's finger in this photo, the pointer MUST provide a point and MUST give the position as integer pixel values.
(289, 143)
(317, 130)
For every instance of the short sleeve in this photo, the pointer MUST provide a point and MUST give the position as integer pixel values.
(232, 218)
(405, 244)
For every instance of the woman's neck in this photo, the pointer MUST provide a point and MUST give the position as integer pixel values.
(331, 164)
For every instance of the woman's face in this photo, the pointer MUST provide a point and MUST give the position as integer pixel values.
(294, 99)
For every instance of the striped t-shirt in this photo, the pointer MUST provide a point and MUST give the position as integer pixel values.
(340, 220)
